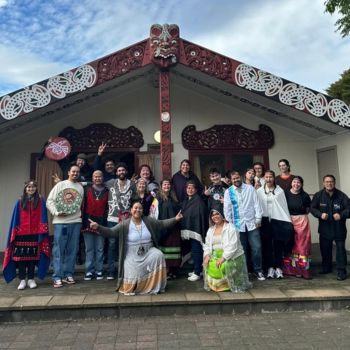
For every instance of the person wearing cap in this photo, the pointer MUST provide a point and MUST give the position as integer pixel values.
(225, 268)
(81, 162)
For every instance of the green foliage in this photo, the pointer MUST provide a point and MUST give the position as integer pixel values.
(343, 8)
(341, 88)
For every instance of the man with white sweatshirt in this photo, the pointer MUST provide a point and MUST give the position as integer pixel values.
(64, 203)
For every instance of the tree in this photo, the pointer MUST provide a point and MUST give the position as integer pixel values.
(341, 88)
(343, 8)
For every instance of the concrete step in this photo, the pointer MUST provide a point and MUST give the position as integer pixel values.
(96, 299)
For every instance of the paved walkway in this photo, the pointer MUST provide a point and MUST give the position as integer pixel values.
(273, 295)
(326, 330)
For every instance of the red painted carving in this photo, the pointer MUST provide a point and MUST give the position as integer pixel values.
(208, 62)
(234, 137)
(89, 138)
(164, 41)
(121, 62)
(165, 127)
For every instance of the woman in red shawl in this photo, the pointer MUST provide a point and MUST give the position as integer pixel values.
(28, 239)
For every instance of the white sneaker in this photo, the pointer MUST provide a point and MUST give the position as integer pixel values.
(260, 276)
(192, 273)
(22, 285)
(32, 284)
(194, 277)
(271, 273)
(279, 273)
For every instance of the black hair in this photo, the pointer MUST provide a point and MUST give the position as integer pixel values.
(71, 166)
(191, 183)
(214, 171)
(286, 161)
(329, 175)
(121, 165)
(25, 198)
(234, 172)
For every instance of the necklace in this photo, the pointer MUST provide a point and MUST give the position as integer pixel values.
(141, 249)
(97, 194)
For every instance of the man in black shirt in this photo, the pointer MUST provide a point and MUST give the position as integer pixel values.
(331, 207)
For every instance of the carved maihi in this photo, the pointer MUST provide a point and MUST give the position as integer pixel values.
(89, 138)
(234, 137)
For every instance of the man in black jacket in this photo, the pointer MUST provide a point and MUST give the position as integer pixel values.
(331, 207)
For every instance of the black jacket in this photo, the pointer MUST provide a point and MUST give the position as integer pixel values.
(337, 203)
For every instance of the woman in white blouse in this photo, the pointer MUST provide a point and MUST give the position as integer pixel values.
(224, 262)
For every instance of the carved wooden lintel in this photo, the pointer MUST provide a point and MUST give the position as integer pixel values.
(221, 137)
(89, 138)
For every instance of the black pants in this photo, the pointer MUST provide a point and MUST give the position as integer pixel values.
(26, 268)
(326, 246)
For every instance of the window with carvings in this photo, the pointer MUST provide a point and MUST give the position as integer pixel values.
(226, 147)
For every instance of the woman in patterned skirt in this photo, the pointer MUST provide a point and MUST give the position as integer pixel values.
(224, 262)
(28, 239)
(142, 267)
(298, 262)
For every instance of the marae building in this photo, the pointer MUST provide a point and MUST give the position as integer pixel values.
(209, 108)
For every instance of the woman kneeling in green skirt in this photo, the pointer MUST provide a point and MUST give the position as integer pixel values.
(224, 263)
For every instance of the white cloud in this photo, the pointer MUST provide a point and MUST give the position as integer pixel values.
(3, 3)
(293, 39)
(23, 68)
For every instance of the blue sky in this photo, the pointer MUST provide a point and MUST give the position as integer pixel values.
(294, 39)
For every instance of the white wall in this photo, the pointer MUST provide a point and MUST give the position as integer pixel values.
(141, 109)
(342, 142)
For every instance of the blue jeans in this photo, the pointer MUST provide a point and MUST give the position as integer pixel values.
(197, 256)
(94, 245)
(112, 250)
(65, 248)
(253, 239)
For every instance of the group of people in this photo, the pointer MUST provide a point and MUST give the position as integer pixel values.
(254, 221)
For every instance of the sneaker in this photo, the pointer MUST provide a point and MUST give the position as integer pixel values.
(192, 273)
(99, 276)
(88, 276)
(68, 280)
(110, 277)
(260, 276)
(57, 284)
(341, 276)
(22, 285)
(279, 273)
(32, 284)
(194, 277)
(271, 273)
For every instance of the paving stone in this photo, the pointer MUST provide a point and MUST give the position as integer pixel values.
(134, 299)
(235, 297)
(332, 293)
(302, 294)
(268, 295)
(67, 300)
(169, 298)
(201, 297)
(101, 299)
(32, 301)
(5, 302)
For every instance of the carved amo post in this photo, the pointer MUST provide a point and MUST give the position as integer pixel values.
(164, 43)
(165, 124)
